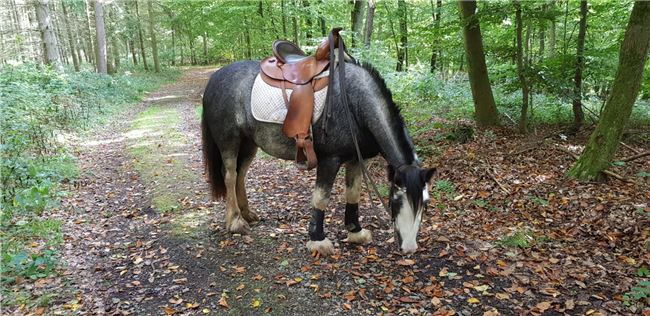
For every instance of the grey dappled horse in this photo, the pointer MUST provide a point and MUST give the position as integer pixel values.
(231, 137)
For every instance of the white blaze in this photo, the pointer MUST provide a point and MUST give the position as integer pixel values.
(408, 224)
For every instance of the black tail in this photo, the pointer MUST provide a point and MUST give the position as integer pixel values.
(212, 161)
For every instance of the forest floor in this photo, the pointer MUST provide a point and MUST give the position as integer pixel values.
(505, 233)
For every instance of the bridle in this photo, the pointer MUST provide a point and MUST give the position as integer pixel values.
(348, 112)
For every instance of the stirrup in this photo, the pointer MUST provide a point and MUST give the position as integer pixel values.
(305, 155)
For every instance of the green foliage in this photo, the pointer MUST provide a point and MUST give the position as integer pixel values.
(539, 201)
(445, 187)
(40, 111)
(637, 293)
(518, 239)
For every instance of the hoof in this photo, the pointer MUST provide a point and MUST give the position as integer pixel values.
(239, 226)
(362, 237)
(323, 247)
(250, 216)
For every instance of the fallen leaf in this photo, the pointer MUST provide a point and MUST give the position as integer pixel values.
(406, 262)
(542, 306)
(473, 300)
(256, 303)
(223, 302)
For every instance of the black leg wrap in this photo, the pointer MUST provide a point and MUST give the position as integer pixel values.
(316, 232)
(352, 218)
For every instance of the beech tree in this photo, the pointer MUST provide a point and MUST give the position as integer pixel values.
(604, 140)
(101, 38)
(525, 91)
(50, 45)
(578, 113)
(484, 106)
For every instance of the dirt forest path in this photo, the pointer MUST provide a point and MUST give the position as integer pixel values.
(143, 237)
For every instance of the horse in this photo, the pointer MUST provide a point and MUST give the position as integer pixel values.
(231, 137)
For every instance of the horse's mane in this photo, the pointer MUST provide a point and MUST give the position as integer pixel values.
(383, 88)
(393, 108)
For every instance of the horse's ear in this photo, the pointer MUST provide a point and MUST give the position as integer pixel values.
(391, 173)
(427, 175)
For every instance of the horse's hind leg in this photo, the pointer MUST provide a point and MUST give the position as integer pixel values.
(245, 158)
(353, 177)
(235, 223)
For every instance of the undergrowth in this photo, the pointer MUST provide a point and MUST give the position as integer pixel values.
(40, 110)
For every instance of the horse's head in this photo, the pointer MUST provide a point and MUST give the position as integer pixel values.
(409, 195)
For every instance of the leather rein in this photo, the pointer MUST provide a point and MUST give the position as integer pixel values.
(350, 118)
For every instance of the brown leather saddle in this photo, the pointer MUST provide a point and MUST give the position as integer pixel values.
(291, 68)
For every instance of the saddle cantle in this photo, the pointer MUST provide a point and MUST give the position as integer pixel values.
(290, 68)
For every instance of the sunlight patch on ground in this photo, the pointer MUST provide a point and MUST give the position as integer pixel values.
(190, 222)
(158, 150)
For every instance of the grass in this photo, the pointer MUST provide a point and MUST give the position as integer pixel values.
(156, 144)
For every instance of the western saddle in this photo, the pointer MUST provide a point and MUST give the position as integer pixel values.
(291, 68)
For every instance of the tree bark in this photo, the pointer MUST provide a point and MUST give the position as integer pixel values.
(154, 42)
(551, 34)
(370, 16)
(485, 108)
(578, 114)
(402, 52)
(308, 22)
(101, 37)
(284, 20)
(143, 55)
(356, 21)
(71, 37)
(51, 50)
(91, 43)
(436, 41)
(604, 141)
(321, 19)
(205, 48)
(523, 119)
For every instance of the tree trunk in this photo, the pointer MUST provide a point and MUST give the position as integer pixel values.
(436, 41)
(140, 37)
(294, 21)
(551, 35)
(356, 21)
(321, 19)
(205, 48)
(56, 23)
(578, 114)
(370, 16)
(47, 34)
(284, 20)
(523, 120)
(402, 52)
(92, 44)
(101, 37)
(51, 50)
(70, 32)
(247, 38)
(134, 56)
(485, 108)
(173, 47)
(604, 141)
(308, 22)
(154, 43)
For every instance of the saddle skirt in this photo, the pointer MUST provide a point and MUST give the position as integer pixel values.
(267, 102)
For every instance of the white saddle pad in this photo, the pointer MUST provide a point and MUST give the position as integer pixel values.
(267, 103)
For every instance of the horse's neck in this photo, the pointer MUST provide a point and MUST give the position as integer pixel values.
(389, 133)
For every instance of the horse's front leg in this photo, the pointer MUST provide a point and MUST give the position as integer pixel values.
(325, 175)
(353, 179)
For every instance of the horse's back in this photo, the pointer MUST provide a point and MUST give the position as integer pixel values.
(231, 81)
